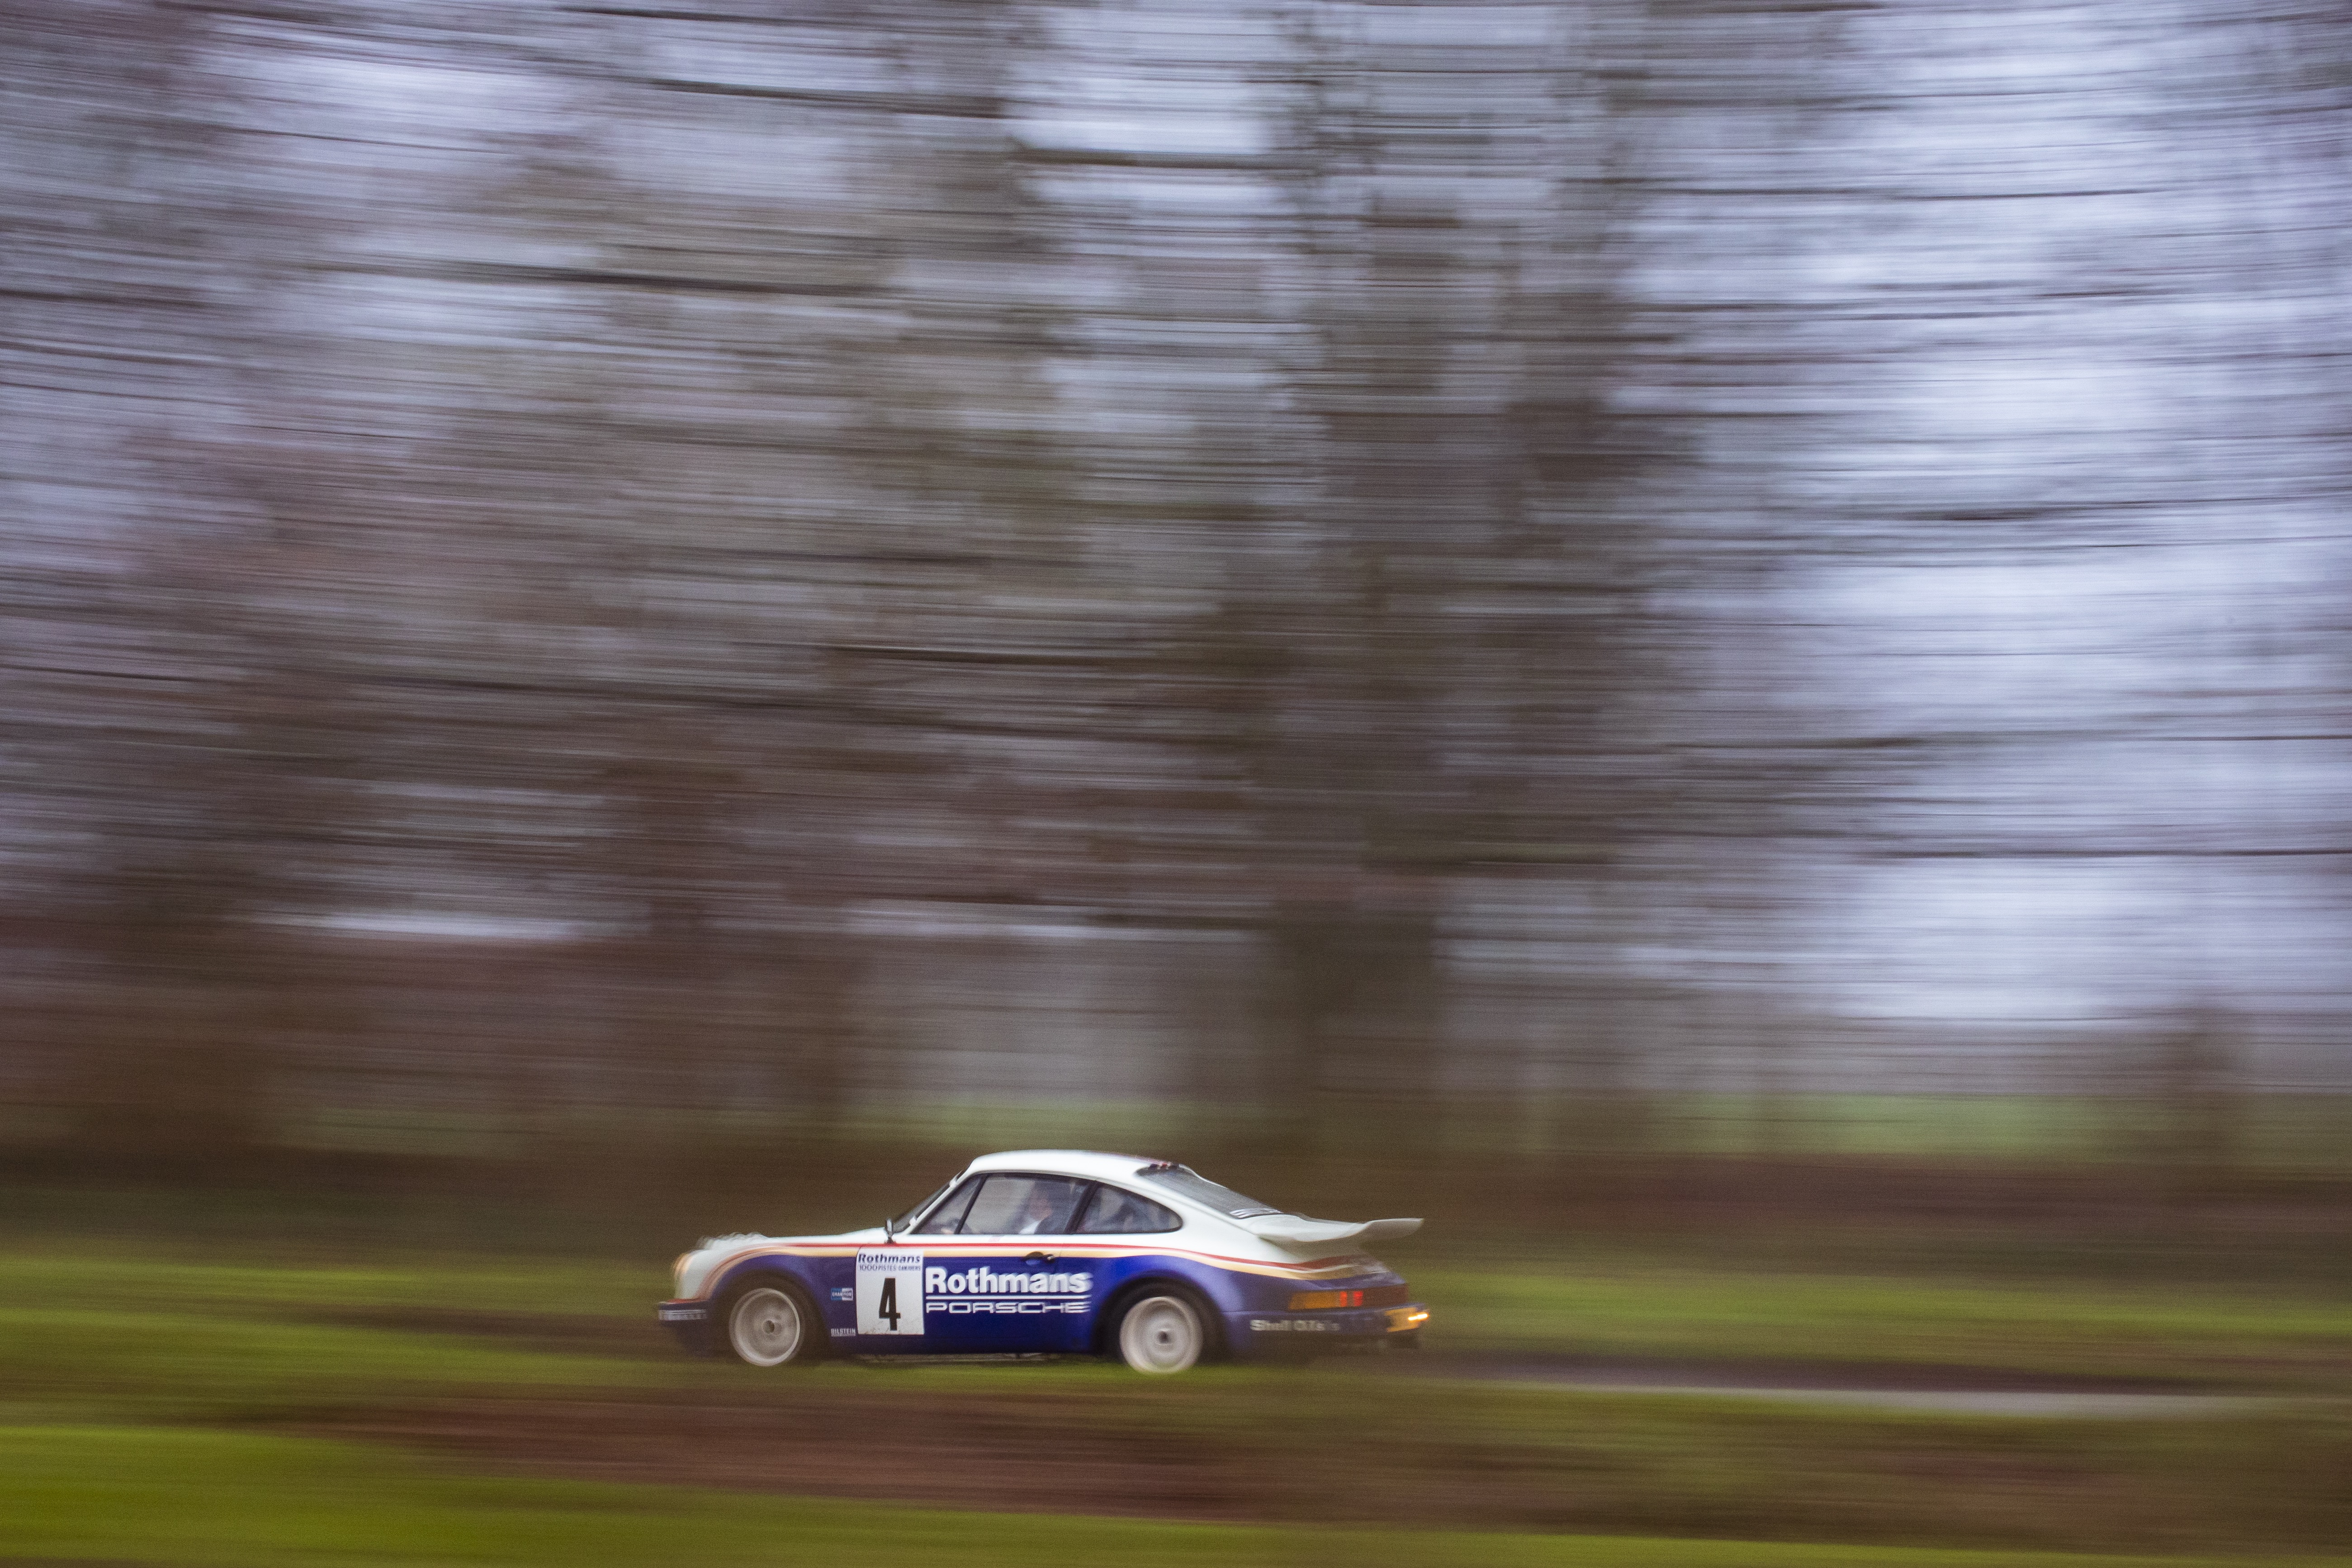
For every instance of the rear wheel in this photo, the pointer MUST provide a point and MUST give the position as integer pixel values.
(771, 1324)
(1163, 1332)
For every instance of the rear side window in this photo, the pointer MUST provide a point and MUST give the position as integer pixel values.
(1201, 1190)
(1115, 1213)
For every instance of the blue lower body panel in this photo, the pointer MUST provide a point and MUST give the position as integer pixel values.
(1248, 1336)
(1265, 1334)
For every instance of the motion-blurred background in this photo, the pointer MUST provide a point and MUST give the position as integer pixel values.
(1705, 639)
(1526, 579)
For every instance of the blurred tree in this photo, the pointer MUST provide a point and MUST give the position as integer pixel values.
(1323, 560)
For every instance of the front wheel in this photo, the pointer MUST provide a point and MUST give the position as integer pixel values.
(1162, 1334)
(770, 1325)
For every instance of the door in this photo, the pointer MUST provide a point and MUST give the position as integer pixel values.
(1001, 1285)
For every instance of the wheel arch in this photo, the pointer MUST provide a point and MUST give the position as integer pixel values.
(750, 1276)
(745, 1273)
(1161, 1281)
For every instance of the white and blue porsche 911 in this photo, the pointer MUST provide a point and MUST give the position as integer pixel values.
(1054, 1251)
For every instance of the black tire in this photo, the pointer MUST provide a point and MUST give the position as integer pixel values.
(769, 1320)
(1160, 1330)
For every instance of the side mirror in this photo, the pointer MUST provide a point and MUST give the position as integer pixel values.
(888, 1234)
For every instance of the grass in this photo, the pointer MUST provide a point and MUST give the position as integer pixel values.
(143, 1334)
(185, 1365)
(142, 1326)
(1645, 1309)
(172, 1403)
(203, 1499)
(116, 1275)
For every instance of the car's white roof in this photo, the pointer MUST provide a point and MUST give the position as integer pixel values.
(1090, 1163)
(1268, 1229)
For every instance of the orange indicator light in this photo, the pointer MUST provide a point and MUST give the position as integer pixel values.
(1324, 1300)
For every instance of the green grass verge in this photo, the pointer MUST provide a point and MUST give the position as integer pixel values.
(116, 1331)
(183, 1363)
(99, 1338)
(2261, 1333)
(166, 1278)
(226, 1500)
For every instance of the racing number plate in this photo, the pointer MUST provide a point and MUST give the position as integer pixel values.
(890, 1291)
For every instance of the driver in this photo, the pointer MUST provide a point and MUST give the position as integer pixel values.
(1037, 1213)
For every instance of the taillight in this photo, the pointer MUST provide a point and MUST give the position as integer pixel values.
(1333, 1301)
(1324, 1300)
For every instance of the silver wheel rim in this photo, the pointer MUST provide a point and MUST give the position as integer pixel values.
(1159, 1336)
(764, 1327)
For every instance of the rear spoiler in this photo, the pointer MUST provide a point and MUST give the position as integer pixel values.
(1296, 1230)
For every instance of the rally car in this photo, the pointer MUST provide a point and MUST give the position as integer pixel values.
(1054, 1251)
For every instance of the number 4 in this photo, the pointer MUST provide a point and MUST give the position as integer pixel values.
(889, 1307)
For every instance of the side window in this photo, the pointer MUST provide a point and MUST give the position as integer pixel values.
(1024, 1205)
(1117, 1213)
(948, 1218)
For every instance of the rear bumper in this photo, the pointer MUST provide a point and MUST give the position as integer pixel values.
(1308, 1333)
(689, 1323)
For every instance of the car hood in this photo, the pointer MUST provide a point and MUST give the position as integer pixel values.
(693, 1275)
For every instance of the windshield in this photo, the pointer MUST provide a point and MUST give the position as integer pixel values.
(1201, 1190)
(912, 1215)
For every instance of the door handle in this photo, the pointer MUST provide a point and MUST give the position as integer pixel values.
(1039, 1258)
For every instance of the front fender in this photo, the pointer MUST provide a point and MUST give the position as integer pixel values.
(735, 1276)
